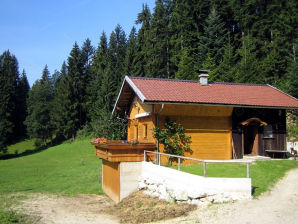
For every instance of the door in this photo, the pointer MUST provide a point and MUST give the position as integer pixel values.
(251, 139)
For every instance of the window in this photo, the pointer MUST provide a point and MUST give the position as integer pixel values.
(268, 131)
(136, 132)
(145, 130)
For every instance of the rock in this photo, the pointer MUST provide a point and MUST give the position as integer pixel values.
(180, 195)
(142, 185)
(152, 187)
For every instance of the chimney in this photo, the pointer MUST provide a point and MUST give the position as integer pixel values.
(203, 74)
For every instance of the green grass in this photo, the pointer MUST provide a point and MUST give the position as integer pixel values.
(66, 169)
(69, 168)
(21, 147)
(264, 174)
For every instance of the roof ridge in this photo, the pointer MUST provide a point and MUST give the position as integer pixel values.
(240, 83)
(196, 81)
(162, 79)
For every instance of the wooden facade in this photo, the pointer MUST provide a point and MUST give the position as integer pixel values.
(217, 132)
(210, 127)
(255, 138)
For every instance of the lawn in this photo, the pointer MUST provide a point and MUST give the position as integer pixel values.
(264, 174)
(66, 169)
(69, 168)
(21, 147)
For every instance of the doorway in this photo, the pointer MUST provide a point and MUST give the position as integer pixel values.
(251, 140)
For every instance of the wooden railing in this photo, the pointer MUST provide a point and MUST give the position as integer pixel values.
(205, 162)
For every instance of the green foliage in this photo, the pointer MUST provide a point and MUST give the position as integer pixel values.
(247, 67)
(173, 138)
(9, 77)
(11, 217)
(109, 127)
(214, 39)
(186, 67)
(292, 125)
(38, 121)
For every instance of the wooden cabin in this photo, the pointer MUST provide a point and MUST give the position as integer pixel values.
(224, 120)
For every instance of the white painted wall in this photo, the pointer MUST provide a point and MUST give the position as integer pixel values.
(130, 173)
(165, 182)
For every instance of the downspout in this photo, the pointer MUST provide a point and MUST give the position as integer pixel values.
(157, 124)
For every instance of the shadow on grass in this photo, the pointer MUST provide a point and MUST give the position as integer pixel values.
(29, 151)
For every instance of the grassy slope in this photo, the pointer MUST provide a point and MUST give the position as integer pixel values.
(264, 174)
(21, 147)
(69, 168)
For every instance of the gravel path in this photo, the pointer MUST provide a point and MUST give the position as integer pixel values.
(280, 205)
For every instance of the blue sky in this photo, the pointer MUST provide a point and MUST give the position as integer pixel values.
(40, 32)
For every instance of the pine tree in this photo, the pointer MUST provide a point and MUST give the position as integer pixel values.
(38, 121)
(98, 68)
(213, 39)
(293, 72)
(225, 71)
(9, 77)
(144, 18)
(186, 66)
(77, 81)
(62, 104)
(186, 26)
(130, 52)
(22, 96)
(247, 68)
(158, 64)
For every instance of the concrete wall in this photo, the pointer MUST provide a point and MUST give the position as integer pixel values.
(170, 184)
(130, 173)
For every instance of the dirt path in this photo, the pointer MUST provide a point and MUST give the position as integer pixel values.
(278, 206)
(87, 209)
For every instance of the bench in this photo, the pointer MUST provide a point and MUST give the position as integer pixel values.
(284, 152)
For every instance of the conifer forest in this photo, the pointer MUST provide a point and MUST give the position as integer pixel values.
(246, 41)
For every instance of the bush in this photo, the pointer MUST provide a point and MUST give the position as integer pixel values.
(85, 132)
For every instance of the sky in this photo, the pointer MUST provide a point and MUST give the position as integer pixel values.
(43, 32)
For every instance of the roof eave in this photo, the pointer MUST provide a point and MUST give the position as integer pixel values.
(220, 105)
(135, 89)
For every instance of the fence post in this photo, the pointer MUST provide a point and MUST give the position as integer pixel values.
(179, 163)
(159, 159)
(205, 169)
(247, 170)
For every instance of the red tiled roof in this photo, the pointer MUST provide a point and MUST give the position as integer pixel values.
(178, 91)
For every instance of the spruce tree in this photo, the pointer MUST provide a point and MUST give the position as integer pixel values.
(38, 121)
(158, 51)
(186, 27)
(248, 70)
(213, 40)
(21, 106)
(130, 52)
(9, 77)
(97, 68)
(143, 42)
(225, 71)
(77, 80)
(293, 72)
